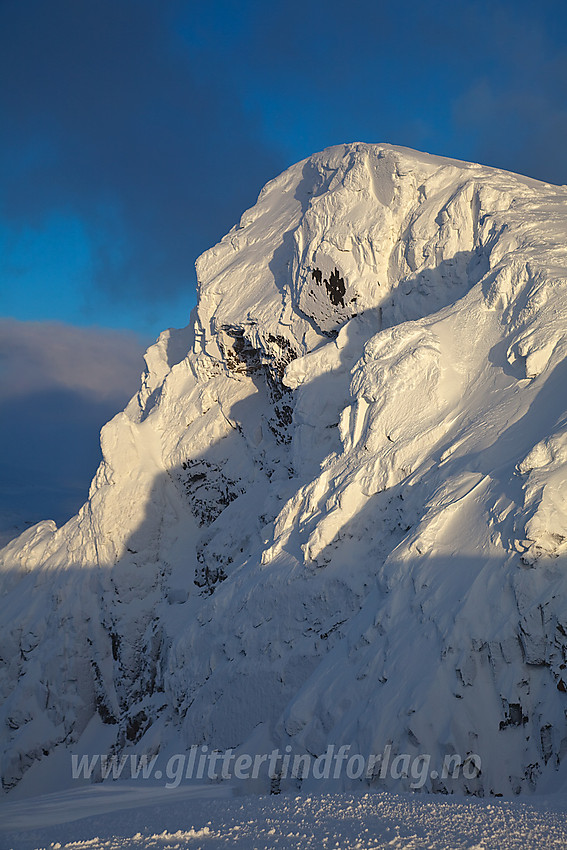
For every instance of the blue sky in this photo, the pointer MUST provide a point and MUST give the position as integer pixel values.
(133, 134)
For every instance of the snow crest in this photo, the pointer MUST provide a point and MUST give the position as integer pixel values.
(336, 510)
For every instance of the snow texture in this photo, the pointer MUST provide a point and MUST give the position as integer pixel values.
(336, 511)
(127, 820)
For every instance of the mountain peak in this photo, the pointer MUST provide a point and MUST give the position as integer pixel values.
(335, 511)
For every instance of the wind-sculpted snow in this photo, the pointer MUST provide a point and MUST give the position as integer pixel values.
(335, 513)
(147, 819)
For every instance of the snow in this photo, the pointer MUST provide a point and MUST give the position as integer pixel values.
(335, 512)
(127, 818)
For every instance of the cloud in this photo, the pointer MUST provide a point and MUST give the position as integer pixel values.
(512, 107)
(59, 384)
(110, 116)
(410, 74)
(100, 364)
(522, 130)
(156, 124)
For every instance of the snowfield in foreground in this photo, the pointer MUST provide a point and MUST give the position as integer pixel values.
(335, 514)
(345, 821)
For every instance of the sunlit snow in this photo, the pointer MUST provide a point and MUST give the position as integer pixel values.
(334, 515)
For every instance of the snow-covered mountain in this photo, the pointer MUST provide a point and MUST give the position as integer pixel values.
(336, 511)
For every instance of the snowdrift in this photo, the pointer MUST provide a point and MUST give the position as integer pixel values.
(336, 511)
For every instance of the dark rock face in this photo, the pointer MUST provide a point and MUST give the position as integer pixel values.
(208, 490)
(336, 288)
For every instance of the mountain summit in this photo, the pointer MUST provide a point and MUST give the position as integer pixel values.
(336, 510)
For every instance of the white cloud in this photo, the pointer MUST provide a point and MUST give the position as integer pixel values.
(100, 363)
(59, 384)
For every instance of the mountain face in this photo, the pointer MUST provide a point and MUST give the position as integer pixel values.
(336, 511)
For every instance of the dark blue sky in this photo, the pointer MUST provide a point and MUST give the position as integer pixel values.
(133, 134)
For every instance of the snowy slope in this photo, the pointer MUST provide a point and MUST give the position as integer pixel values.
(128, 818)
(336, 511)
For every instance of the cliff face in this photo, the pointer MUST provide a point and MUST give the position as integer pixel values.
(336, 511)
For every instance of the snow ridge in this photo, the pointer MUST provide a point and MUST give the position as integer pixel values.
(336, 510)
